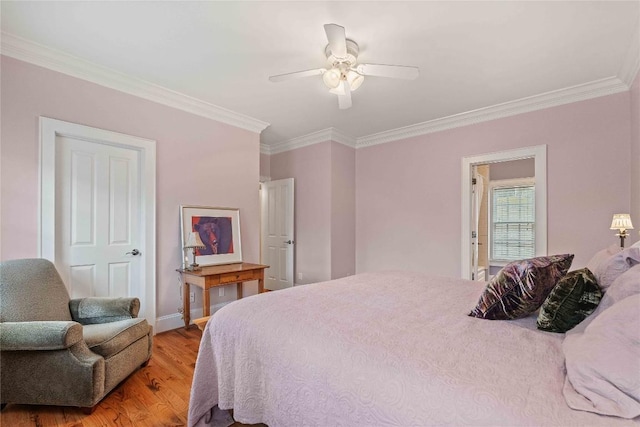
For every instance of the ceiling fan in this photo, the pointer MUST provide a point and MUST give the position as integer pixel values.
(344, 75)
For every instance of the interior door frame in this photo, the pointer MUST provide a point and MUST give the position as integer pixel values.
(50, 129)
(263, 229)
(539, 154)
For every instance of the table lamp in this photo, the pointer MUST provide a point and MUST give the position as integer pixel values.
(622, 223)
(194, 242)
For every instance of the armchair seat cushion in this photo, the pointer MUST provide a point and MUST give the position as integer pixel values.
(108, 339)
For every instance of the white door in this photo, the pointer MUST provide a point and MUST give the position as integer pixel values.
(98, 190)
(98, 213)
(277, 233)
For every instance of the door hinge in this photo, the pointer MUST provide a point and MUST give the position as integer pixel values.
(473, 181)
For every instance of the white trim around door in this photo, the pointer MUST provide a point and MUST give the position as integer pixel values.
(539, 154)
(50, 131)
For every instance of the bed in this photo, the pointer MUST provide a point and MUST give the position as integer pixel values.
(388, 348)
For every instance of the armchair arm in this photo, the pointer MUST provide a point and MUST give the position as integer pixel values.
(39, 335)
(88, 311)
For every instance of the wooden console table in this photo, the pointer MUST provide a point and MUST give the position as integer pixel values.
(217, 275)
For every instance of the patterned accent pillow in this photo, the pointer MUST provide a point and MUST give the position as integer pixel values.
(521, 287)
(570, 302)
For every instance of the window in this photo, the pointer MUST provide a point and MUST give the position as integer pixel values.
(512, 232)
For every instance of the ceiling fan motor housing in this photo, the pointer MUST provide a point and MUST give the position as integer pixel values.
(352, 55)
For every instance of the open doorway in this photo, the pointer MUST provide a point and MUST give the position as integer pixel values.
(482, 215)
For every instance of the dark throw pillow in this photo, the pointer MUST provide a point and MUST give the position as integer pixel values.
(521, 287)
(570, 302)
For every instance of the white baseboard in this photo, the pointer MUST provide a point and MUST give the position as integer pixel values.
(175, 321)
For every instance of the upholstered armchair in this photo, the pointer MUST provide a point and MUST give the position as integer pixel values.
(57, 351)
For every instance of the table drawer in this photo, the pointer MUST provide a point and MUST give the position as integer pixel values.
(236, 277)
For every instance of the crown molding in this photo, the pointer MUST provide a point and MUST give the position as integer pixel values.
(582, 92)
(264, 148)
(59, 61)
(329, 134)
(606, 86)
(342, 138)
(43, 56)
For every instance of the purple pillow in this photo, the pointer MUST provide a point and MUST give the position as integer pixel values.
(521, 287)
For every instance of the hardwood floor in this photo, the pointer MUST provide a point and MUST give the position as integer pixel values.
(156, 395)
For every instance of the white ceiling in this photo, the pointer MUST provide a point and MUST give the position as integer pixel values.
(471, 54)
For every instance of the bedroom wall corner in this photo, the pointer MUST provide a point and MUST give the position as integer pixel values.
(310, 167)
(635, 157)
(265, 165)
(324, 176)
(343, 210)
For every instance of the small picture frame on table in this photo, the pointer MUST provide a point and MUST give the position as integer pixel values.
(219, 231)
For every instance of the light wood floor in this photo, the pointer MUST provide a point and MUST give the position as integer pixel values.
(156, 395)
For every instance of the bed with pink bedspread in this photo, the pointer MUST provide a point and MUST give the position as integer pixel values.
(379, 349)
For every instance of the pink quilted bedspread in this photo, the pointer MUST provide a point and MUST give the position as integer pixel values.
(380, 349)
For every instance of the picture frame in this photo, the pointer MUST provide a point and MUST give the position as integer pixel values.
(219, 230)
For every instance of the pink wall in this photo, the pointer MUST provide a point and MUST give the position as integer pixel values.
(635, 157)
(408, 201)
(265, 165)
(343, 210)
(311, 169)
(199, 161)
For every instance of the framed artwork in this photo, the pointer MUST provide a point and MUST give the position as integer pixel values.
(219, 231)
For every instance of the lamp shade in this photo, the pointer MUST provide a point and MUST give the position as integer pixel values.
(194, 241)
(621, 222)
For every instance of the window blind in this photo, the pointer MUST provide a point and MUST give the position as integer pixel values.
(513, 223)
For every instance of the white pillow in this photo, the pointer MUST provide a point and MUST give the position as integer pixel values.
(625, 285)
(603, 362)
(608, 270)
(602, 256)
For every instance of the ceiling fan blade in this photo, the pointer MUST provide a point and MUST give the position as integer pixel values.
(344, 100)
(393, 71)
(297, 74)
(337, 40)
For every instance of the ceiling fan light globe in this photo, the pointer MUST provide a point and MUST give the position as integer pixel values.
(354, 79)
(331, 78)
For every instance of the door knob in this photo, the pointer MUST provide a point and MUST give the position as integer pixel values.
(133, 252)
(288, 242)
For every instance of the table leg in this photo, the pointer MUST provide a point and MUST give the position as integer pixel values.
(239, 290)
(261, 283)
(206, 302)
(186, 304)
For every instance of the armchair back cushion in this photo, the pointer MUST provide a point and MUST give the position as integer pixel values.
(88, 311)
(42, 297)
